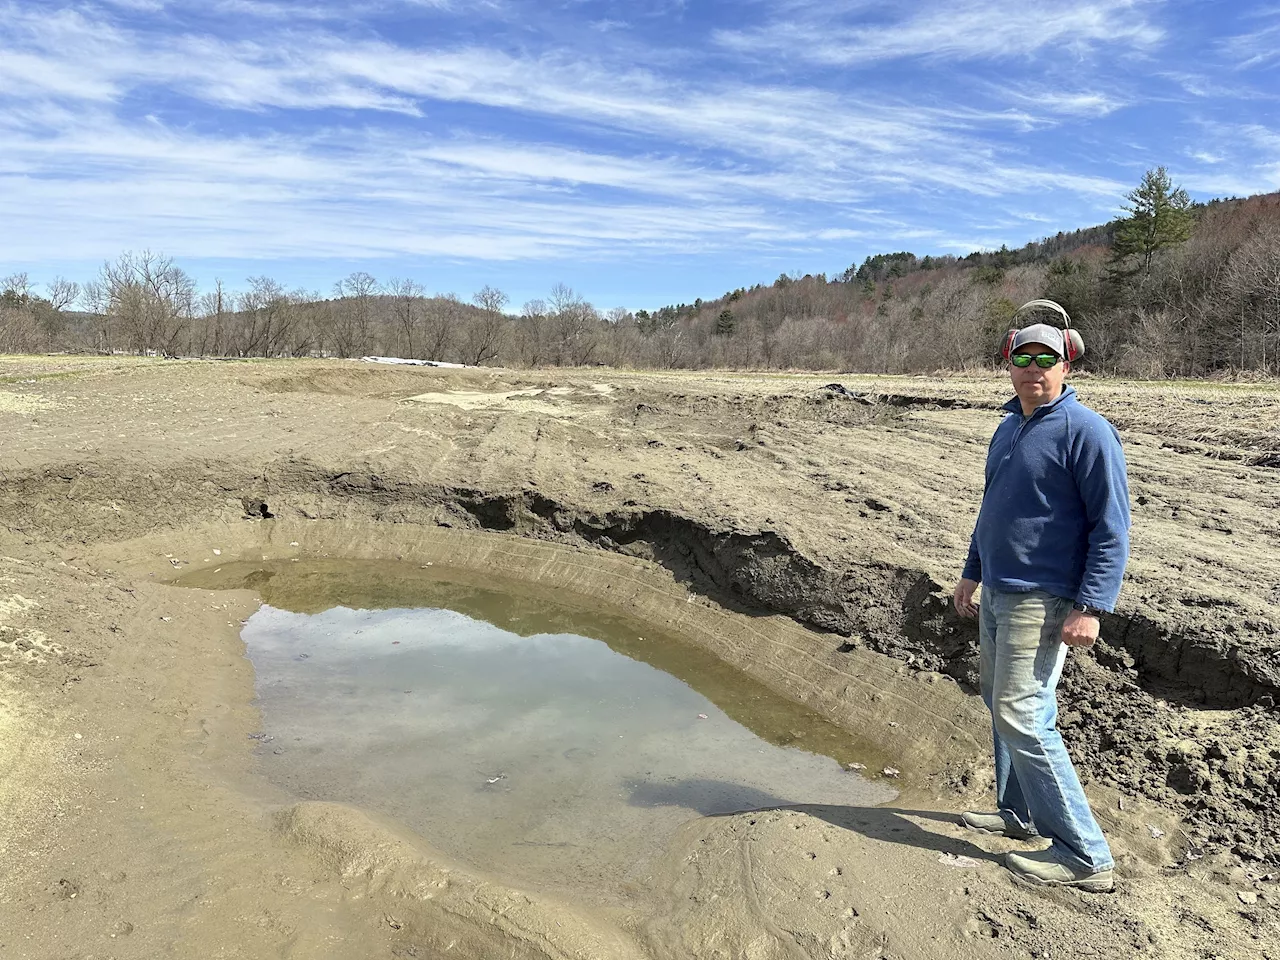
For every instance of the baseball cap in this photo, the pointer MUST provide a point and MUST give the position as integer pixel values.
(1050, 336)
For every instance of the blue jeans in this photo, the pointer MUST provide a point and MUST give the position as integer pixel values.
(1036, 785)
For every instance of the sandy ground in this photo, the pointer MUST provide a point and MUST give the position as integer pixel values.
(805, 535)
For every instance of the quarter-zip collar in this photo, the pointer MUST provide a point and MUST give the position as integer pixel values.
(1015, 405)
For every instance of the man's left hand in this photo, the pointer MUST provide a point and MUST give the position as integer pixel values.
(1080, 630)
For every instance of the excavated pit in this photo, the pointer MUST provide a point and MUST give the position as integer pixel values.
(1129, 707)
(543, 741)
(477, 899)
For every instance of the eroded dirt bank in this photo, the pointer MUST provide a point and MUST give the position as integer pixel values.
(772, 500)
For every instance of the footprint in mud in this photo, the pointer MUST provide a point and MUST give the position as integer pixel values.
(980, 928)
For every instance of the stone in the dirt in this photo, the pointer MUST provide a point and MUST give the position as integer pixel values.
(1247, 897)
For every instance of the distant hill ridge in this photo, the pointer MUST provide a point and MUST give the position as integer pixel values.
(1203, 301)
(1092, 241)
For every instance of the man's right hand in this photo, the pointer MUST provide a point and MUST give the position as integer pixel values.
(963, 598)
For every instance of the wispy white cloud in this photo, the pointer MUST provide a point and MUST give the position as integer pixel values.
(146, 6)
(166, 188)
(70, 55)
(839, 233)
(1262, 179)
(858, 33)
(1244, 160)
(1204, 156)
(1198, 85)
(835, 138)
(1259, 45)
(1071, 103)
(333, 139)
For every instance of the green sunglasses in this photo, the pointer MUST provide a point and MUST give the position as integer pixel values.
(1044, 361)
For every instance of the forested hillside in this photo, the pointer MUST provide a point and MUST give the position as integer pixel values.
(1170, 289)
(1206, 300)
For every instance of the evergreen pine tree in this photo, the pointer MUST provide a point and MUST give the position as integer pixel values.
(725, 323)
(1159, 216)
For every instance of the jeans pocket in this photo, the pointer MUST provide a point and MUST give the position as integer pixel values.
(1056, 611)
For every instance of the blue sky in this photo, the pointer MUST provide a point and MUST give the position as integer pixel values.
(643, 152)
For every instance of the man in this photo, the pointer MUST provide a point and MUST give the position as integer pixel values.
(1049, 548)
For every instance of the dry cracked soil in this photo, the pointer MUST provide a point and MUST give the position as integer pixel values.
(806, 530)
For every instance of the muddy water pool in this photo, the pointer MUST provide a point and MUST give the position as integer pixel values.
(532, 738)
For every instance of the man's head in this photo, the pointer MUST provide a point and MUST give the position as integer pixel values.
(1038, 365)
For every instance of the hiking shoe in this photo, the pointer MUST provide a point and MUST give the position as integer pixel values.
(1046, 870)
(997, 824)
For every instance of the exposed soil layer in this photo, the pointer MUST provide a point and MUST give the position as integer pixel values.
(843, 505)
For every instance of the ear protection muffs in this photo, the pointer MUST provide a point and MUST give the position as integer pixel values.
(1073, 343)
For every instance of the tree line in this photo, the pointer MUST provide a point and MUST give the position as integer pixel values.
(1171, 288)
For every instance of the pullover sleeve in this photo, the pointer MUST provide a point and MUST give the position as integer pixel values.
(1102, 479)
(973, 564)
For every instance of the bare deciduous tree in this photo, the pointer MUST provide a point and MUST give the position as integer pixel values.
(62, 293)
(1254, 277)
(485, 332)
(151, 299)
(19, 329)
(215, 310)
(98, 304)
(407, 296)
(49, 312)
(529, 334)
(440, 319)
(17, 284)
(265, 319)
(353, 314)
(574, 323)
(19, 332)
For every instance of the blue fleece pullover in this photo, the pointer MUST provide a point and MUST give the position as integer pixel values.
(1055, 508)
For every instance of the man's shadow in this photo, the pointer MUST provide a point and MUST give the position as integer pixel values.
(720, 798)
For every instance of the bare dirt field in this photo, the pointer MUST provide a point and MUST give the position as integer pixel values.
(806, 535)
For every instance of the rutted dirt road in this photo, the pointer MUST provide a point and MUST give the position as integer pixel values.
(808, 535)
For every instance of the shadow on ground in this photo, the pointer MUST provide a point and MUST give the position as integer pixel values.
(718, 798)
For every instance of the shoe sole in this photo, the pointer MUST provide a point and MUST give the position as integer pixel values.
(1088, 885)
(1000, 833)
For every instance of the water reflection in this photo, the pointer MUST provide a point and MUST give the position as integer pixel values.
(535, 752)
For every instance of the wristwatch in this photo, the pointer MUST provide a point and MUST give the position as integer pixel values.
(1084, 608)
